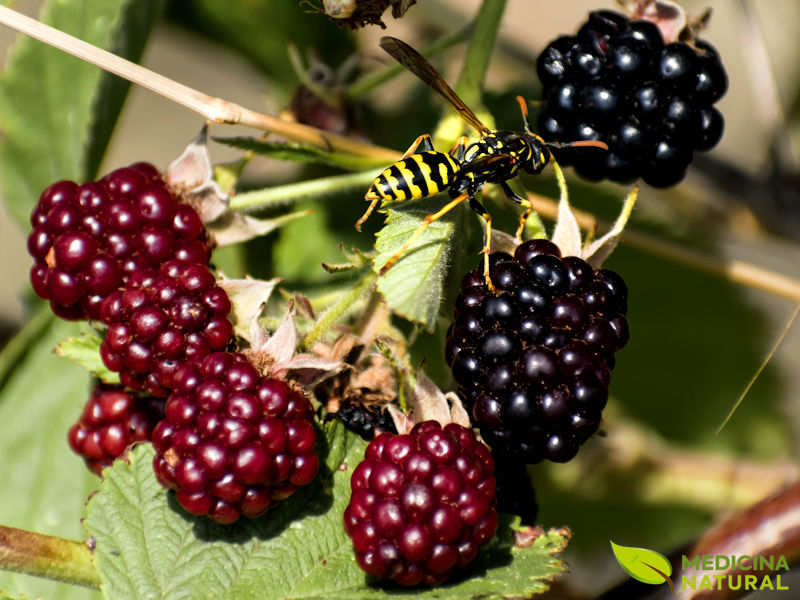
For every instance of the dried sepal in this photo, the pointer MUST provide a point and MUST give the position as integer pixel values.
(248, 298)
(599, 250)
(429, 403)
(234, 228)
(192, 178)
(567, 232)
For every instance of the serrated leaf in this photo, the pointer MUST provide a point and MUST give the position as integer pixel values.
(642, 564)
(300, 153)
(45, 484)
(148, 548)
(85, 350)
(414, 286)
(57, 111)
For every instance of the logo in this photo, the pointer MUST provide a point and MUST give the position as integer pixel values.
(706, 571)
(644, 565)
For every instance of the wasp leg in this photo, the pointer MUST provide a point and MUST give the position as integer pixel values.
(423, 144)
(459, 148)
(421, 229)
(487, 240)
(517, 199)
(374, 200)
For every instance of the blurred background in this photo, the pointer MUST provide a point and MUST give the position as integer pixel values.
(660, 474)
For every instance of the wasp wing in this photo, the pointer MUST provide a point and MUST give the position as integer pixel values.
(419, 66)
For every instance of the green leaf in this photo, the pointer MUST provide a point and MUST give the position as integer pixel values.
(57, 111)
(45, 484)
(300, 153)
(85, 350)
(414, 286)
(642, 564)
(148, 548)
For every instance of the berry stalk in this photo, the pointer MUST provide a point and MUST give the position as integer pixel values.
(47, 556)
(216, 110)
(738, 271)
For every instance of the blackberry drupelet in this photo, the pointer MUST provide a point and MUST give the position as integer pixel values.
(162, 319)
(112, 420)
(233, 443)
(91, 239)
(422, 504)
(363, 420)
(618, 82)
(533, 362)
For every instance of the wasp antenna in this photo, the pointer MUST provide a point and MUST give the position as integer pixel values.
(580, 144)
(523, 108)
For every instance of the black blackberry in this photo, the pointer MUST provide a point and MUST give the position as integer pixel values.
(651, 102)
(363, 420)
(533, 363)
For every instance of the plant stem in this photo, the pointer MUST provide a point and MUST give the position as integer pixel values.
(734, 270)
(212, 109)
(21, 342)
(338, 310)
(47, 556)
(365, 84)
(479, 52)
(290, 193)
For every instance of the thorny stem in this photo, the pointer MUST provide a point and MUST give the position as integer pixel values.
(365, 84)
(291, 193)
(338, 310)
(734, 270)
(47, 556)
(212, 109)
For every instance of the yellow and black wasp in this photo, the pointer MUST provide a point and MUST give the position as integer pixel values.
(423, 171)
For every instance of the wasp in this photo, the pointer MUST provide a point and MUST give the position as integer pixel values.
(496, 157)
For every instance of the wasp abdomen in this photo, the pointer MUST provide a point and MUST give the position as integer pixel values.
(416, 176)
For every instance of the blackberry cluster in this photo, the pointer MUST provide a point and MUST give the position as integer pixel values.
(422, 504)
(162, 319)
(232, 442)
(112, 420)
(533, 362)
(91, 239)
(651, 102)
(363, 420)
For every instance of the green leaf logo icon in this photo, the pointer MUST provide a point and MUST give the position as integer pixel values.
(643, 565)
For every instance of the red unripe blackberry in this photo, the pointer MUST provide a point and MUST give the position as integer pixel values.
(89, 240)
(618, 82)
(112, 420)
(533, 362)
(160, 320)
(422, 504)
(233, 443)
